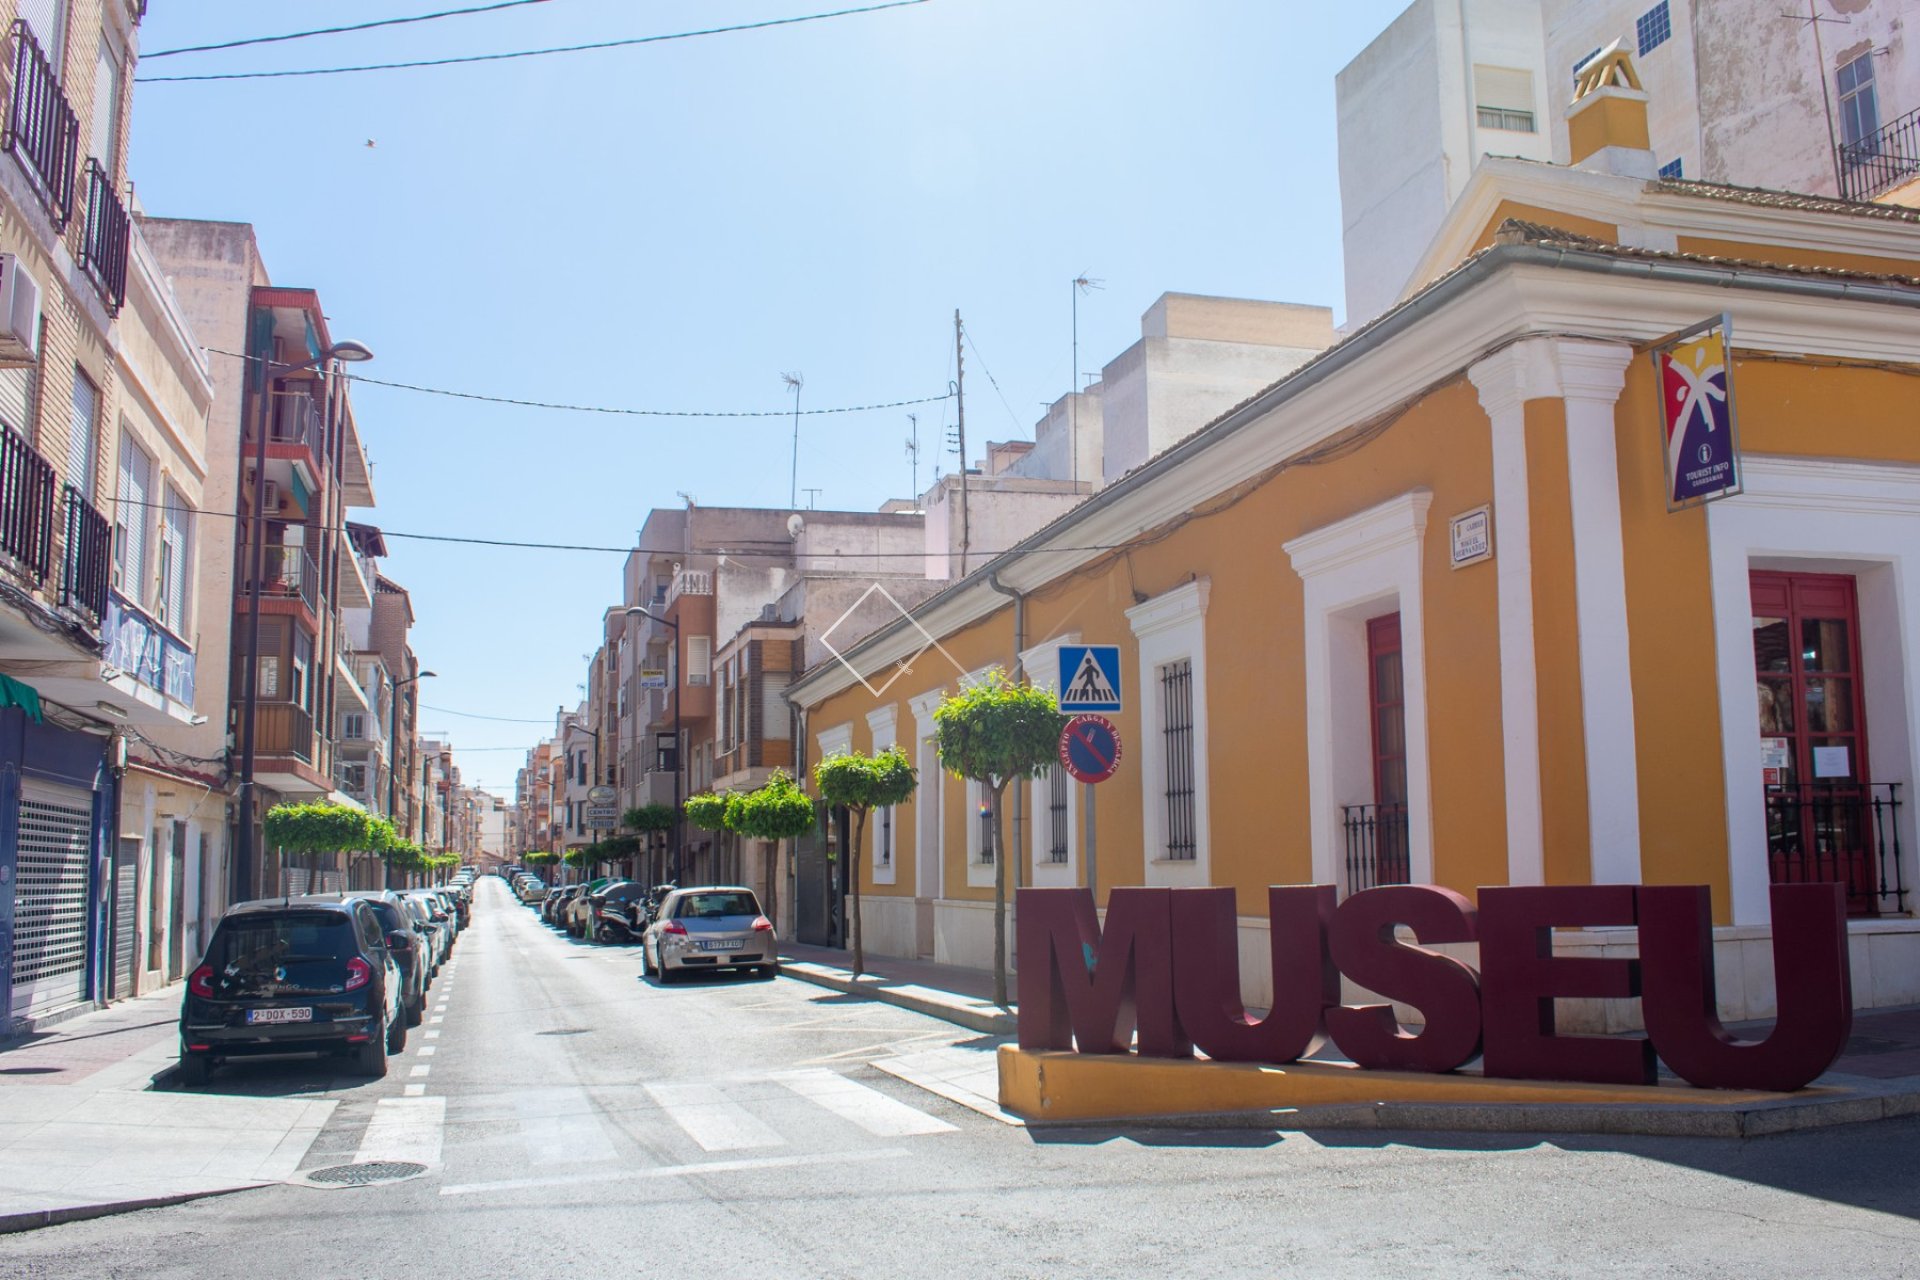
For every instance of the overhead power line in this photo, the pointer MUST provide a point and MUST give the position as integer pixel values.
(611, 409)
(534, 53)
(473, 715)
(334, 31)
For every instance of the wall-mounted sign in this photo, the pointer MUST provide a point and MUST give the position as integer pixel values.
(653, 677)
(1694, 372)
(1471, 536)
(601, 795)
(602, 816)
(1090, 748)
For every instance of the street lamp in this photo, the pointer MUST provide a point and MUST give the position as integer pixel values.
(669, 622)
(348, 352)
(393, 754)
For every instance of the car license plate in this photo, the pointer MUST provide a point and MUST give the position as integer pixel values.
(256, 1016)
(728, 944)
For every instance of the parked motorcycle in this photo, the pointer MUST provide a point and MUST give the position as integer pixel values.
(612, 922)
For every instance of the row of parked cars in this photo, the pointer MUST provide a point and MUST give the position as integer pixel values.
(710, 927)
(325, 973)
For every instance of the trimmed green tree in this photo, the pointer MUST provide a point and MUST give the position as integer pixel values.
(993, 732)
(860, 784)
(707, 811)
(780, 810)
(648, 819)
(315, 829)
(539, 857)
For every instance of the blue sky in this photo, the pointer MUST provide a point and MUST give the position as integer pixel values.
(672, 226)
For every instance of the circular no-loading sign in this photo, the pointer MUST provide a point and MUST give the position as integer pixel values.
(1090, 748)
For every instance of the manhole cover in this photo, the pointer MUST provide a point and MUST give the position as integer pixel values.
(365, 1173)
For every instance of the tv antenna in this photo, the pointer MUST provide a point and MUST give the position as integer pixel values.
(913, 454)
(794, 382)
(1082, 283)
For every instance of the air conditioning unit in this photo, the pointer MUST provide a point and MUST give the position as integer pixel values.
(271, 503)
(19, 313)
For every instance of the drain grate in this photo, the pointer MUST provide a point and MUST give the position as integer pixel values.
(366, 1173)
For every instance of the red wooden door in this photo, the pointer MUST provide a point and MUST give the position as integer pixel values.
(1386, 704)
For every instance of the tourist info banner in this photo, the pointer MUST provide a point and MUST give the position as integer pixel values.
(1694, 370)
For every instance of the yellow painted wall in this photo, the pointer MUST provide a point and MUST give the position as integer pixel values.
(1591, 227)
(1556, 644)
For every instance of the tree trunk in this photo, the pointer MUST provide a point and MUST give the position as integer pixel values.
(999, 895)
(858, 820)
(771, 860)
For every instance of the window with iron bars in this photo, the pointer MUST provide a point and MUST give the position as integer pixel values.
(885, 850)
(1057, 799)
(986, 829)
(1176, 721)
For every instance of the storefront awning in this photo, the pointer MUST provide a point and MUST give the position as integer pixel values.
(24, 696)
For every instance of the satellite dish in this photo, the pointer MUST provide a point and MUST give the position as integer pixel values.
(795, 524)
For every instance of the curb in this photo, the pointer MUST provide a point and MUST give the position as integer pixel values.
(974, 1015)
(15, 1223)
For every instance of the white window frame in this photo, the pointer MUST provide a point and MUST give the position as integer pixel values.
(699, 661)
(1362, 567)
(1042, 666)
(882, 728)
(929, 800)
(1167, 628)
(353, 726)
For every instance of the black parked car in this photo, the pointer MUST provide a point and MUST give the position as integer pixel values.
(294, 976)
(412, 955)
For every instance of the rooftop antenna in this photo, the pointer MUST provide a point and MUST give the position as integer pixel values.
(812, 494)
(913, 454)
(1813, 19)
(1082, 283)
(794, 382)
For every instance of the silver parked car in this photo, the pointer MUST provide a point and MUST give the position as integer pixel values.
(712, 927)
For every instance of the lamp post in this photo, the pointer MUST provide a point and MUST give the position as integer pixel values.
(270, 369)
(675, 627)
(393, 756)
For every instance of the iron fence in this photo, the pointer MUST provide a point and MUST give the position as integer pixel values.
(1882, 160)
(42, 129)
(1844, 833)
(1376, 845)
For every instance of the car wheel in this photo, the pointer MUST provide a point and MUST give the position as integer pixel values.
(667, 976)
(195, 1070)
(370, 1059)
(397, 1034)
(769, 971)
(416, 1011)
(646, 964)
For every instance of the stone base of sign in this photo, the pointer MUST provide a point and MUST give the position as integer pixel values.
(1083, 1089)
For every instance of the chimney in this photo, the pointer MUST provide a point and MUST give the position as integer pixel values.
(1607, 123)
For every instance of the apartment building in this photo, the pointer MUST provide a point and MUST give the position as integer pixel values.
(1825, 102)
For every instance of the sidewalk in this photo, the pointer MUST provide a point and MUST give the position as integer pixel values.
(1876, 1077)
(83, 1133)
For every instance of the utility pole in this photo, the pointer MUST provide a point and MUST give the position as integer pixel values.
(913, 455)
(1813, 19)
(960, 435)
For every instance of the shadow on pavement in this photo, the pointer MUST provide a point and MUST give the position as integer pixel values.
(1096, 1135)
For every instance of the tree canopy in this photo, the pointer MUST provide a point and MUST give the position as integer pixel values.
(847, 780)
(648, 817)
(779, 810)
(994, 730)
(708, 810)
(326, 828)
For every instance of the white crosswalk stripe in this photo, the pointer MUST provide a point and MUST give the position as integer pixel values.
(405, 1129)
(560, 1126)
(869, 1108)
(711, 1119)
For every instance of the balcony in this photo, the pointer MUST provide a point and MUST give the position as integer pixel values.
(290, 574)
(26, 507)
(108, 232)
(1845, 833)
(1882, 160)
(691, 582)
(86, 566)
(148, 652)
(1376, 845)
(295, 419)
(283, 729)
(42, 130)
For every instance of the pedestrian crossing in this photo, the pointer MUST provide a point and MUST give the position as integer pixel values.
(613, 1128)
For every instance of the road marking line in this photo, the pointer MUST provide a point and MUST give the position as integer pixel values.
(404, 1129)
(561, 1127)
(678, 1170)
(431, 1035)
(867, 1107)
(710, 1119)
(416, 1091)
(426, 1050)
(420, 1070)
(435, 1019)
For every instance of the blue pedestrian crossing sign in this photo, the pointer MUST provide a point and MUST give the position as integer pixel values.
(1089, 677)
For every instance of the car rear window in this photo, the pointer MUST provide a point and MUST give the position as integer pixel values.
(713, 906)
(282, 954)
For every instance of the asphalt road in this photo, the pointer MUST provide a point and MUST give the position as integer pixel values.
(579, 1121)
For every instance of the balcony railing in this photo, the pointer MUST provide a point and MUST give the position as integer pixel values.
(103, 248)
(41, 127)
(283, 729)
(290, 573)
(1881, 160)
(691, 582)
(296, 419)
(147, 651)
(87, 566)
(1843, 833)
(1376, 845)
(26, 506)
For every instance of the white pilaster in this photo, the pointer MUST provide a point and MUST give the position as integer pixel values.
(1591, 377)
(1506, 381)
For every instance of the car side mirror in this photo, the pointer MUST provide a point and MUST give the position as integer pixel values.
(399, 941)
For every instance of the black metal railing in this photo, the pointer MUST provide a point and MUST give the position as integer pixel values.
(1176, 728)
(1376, 845)
(108, 231)
(26, 505)
(1844, 833)
(87, 567)
(41, 127)
(1058, 793)
(290, 572)
(1882, 160)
